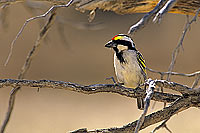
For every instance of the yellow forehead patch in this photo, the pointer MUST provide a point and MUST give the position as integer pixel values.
(117, 37)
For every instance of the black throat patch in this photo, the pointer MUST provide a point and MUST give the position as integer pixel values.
(119, 55)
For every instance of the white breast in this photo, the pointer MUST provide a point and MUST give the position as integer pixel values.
(129, 72)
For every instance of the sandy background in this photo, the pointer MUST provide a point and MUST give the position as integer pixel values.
(84, 60)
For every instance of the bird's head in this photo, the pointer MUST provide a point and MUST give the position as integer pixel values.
(121, 42)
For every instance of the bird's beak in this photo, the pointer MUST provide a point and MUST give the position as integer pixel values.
(111, 44)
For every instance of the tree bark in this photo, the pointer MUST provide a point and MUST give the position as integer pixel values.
(187, 7)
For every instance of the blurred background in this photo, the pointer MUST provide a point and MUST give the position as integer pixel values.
(74, 51)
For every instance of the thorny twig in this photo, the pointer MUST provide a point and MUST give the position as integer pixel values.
(30, 19)
(176, 50)
(149, 94)
(25, 68)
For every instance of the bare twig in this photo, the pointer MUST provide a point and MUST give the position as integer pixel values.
(37, 44)
(30, 19)
(160, 126)
(146, 17)
(149, 94)
(196, 81)
(166, 8)
(25, 68)
(163, 124)
(176, 50)
(175, 73)
(9, 110)
(197, 73)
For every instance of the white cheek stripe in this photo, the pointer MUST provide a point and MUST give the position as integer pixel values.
(122, 47)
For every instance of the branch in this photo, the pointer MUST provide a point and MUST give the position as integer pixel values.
(149, 94)
(178, 106)
(88, 89)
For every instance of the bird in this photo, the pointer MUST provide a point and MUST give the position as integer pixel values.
(129, 64)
